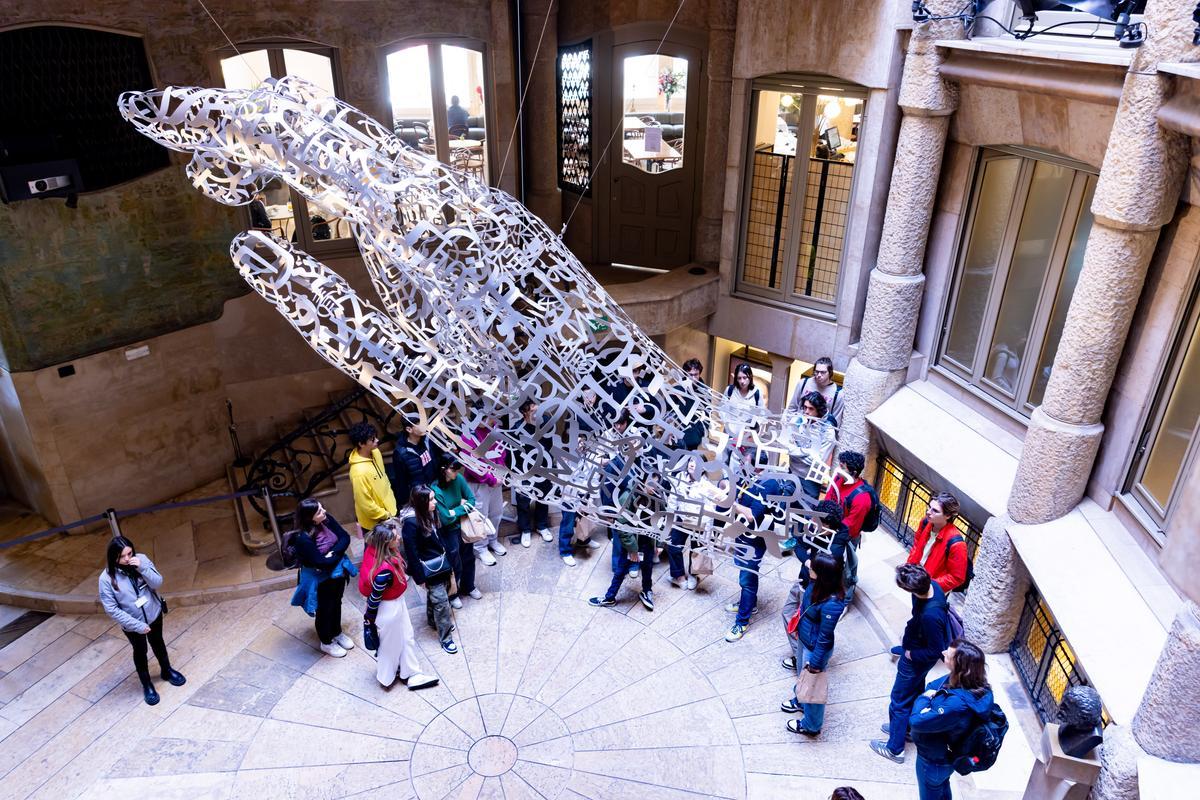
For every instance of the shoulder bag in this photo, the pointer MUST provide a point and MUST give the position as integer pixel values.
(475, 527)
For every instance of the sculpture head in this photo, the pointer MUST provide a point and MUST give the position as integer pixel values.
(1080, 707)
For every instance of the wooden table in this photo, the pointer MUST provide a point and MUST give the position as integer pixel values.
(465, 144)
(635, 150)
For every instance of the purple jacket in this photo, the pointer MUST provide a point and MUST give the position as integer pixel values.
(497, 455)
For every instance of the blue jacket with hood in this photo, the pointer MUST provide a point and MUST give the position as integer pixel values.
(940, 721)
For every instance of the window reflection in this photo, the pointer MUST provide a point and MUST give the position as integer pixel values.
(655, 107)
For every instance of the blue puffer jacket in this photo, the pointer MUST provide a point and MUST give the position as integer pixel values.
(942, 720)
(817, 623)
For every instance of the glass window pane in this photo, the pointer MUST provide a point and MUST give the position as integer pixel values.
(827, 196)
(412, 97)
(575, 116)
(993, 203)
(462, 77)
(772, 173)
(1034, 247)
(654, 103)
(1174, 435)
(1062, 298)
(312, 67)
(246, 71)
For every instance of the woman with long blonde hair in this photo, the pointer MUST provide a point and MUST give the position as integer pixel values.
(387, 628)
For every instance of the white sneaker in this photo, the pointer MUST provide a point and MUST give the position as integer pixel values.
(635, 571)
(526, 539)
(498, 548)
(420, 681)
(592, 544)
(345, 641)
(475, 594)
(680, 582)
(333, 649)
(691, 582)
(487, 558)
(569, 560)
(455, 603)
(546, 535)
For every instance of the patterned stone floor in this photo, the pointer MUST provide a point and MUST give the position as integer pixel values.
(549, 698)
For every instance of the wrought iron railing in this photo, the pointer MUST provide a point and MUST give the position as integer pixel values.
(904, 500)
(300, 462)
(1044, 659)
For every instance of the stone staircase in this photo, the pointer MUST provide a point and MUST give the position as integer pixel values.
(308, 460)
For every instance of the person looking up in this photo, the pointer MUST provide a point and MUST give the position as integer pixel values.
(455, 501)
(414, 461)
(373, 498)
(422, 547)
(320, 544)
(820, 381)
(487, 488)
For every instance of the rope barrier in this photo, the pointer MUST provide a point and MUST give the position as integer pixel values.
(130, 512)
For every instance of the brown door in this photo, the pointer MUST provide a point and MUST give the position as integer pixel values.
(655, 111)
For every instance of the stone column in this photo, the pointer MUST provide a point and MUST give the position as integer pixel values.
(997, 593)
(1136, 195)
(1166, 724)
(542, 195)
(897, 281)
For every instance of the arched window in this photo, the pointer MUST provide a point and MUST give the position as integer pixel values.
(439, 89)
(281, 210)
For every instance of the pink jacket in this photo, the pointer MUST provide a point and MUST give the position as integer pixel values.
(497, 455)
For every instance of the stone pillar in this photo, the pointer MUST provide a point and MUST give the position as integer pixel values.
(1136, 195)
(1166, 724)
(997, 593)
(542, 195)
(897, 281)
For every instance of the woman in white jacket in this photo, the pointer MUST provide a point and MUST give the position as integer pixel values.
(129, 593)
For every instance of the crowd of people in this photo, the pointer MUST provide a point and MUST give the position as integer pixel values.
(428, 521)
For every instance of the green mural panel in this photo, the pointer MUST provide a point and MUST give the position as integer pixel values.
(132, 262)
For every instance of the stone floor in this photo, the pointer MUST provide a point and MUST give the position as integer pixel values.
(548, 698)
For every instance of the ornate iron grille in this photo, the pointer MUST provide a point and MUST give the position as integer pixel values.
(59, 96)
(298, 464)
(575, 117)
(1044, 659)
(905, 499)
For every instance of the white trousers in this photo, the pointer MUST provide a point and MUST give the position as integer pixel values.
(397, 645)
(490, 502)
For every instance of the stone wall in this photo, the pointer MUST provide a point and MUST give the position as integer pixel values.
(147, 263)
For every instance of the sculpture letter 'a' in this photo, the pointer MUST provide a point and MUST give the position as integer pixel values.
(481, 307)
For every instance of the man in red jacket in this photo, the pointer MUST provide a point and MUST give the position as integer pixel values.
(946, 563)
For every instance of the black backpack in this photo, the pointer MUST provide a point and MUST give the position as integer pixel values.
(288, 552)
(871, 520)
(970, 566)
(978, 749)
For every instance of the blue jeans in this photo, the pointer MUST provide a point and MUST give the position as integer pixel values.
(933, 780)
(675, 552)
(814, 713)
(540, 518)
(748, 575)
(910, 682)
(622, 565)
(566, 532)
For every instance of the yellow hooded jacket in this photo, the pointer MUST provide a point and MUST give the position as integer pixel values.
(373, 498)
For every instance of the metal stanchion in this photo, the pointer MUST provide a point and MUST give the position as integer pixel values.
(271, 520)
(113, 525)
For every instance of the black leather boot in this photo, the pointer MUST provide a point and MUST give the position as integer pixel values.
(148, 690)
(172, 677)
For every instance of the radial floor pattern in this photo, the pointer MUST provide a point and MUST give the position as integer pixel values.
(548, 698)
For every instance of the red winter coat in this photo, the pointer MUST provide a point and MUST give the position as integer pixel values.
(399, 579)
(949, 573)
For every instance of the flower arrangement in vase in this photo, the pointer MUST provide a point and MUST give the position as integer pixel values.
(671, 82)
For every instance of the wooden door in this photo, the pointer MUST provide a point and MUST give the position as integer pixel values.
(652, 189)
